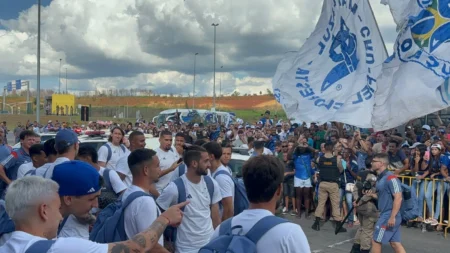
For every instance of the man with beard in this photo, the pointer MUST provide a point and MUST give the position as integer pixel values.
(203, 192)
(142, 212)
(168, 158)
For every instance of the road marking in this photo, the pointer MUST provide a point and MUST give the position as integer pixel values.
(332, 246)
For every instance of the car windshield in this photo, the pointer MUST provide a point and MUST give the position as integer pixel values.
(45, 138)
(236, 167)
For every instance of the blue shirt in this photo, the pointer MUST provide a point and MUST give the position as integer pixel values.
(5, 151)
(302, 165)
(348, 178)
(12, 164)
(387, 185)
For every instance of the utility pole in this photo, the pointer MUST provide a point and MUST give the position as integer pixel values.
(59, 76)
(193, 94)
(38, 96)
(214, 87)
(66, 82)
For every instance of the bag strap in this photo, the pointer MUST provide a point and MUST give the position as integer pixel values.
(181, 191)
(31, 172)
(106, 176)
(210, 186)
(225, 227)
(109, 153)
(222, 172)
(41, 246)
(132, 197)
(262, 226)
(123, 147)
(61, 225)
(181, 169)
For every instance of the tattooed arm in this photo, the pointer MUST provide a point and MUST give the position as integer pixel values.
(147, 240)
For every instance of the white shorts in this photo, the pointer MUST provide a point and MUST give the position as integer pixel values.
(302, 183)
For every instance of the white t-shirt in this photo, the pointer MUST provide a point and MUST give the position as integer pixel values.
(122, 167)
(116, 153)
(24, 168)
(196, 227)
(47, 169)
(226, 185)
(73, 228)
(166, 159)
(283, 238)
(21, 241)
(176, 173)
(140, 214)
(116, 183)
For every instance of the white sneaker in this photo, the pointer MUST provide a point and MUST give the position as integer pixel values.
(285, 210)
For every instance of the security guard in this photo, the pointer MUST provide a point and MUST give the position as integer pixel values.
(366, 209)
(330, 168)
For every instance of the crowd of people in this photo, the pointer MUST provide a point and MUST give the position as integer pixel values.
(313, 172)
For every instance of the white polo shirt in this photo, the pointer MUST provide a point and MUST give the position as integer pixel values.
(166, 159)
(284, 238)
(196, 227)
(21, 241)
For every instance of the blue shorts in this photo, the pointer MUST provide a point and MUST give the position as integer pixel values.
(384, 234)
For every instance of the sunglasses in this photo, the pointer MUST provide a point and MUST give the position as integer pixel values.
(284, 146)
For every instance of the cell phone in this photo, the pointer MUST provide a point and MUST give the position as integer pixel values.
(180, 160)
(427, 155)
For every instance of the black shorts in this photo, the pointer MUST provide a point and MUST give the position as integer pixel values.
(288, 189)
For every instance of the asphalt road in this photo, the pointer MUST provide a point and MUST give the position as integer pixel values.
(413, 239)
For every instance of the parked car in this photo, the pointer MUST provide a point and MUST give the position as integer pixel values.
(238, 158)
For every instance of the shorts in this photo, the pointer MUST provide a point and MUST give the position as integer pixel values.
(384, 234)
(302, 183)
(288, 189)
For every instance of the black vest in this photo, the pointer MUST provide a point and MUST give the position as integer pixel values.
(329, 171)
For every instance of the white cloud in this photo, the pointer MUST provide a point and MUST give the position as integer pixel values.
(151, 43)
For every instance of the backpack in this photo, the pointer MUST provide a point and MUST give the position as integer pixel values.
(240, 194)
(181, 169)
(41, 246)
(108, 158)
(410, 207)
(109, 226)
(107, 195)
(237, 243)
(171, 232)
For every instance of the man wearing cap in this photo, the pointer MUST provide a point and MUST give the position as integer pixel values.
(426, 134)
(266, 121)
(36, 208)
(10, 165)
(66, 145)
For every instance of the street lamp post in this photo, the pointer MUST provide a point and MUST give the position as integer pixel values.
(59, 76)
(214, 87)
(193, 94)
(38, 88)
(220, 85)
(66, 82)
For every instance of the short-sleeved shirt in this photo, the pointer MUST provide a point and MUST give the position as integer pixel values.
(434, 165)
(140, 214)
(123, 168)
(20, 241)
(348, 178)
(12, 164)
(166, 159)
(116, 153)
(24, 169)
(196, 227)
(5, 151)
(116, 183)
(226, 185)
(387, 185)
(46, 170)
(75, 229)
(396, 160)
(284, 238)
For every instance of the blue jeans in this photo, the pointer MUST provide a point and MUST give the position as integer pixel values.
(349, 200)
(420, 195)
(429, 195)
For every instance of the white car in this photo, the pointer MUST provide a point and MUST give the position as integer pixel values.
(44, 137)
(238, 158)
(95, 141)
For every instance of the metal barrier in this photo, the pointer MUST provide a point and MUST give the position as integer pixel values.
(408, 180)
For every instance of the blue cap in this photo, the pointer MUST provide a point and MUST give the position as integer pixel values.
(65, 138)
(76, 178)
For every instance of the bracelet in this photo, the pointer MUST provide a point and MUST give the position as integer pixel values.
(168, 220)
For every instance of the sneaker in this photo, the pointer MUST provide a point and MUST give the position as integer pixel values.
(293, 213)
(285, 210)
(434, 222)
(419, 219)
(427, 221)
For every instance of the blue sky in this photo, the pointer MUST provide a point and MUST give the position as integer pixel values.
(10, 9)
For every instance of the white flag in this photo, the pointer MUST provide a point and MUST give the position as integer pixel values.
(402, 9)
(414, 80)
(333, 76)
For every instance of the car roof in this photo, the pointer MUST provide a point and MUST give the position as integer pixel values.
(237, 156)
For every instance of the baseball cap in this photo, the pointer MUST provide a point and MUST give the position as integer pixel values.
(279, 124)
(438, 146)
(76, 178)
(195, 125)
(426, 127)
(65, 138)
(267, 112)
